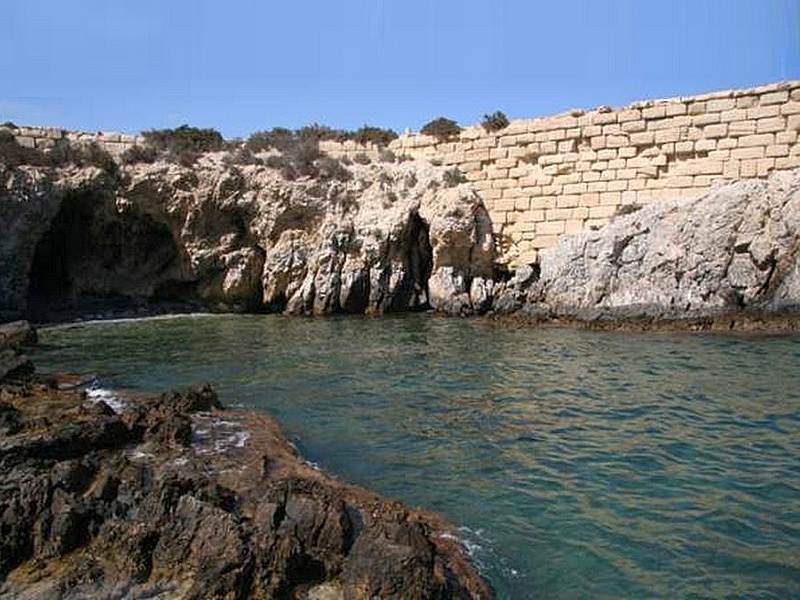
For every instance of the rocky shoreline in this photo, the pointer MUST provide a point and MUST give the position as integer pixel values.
(176, 496)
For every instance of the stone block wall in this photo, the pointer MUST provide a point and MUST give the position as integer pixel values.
(48, 137)
(545, 177)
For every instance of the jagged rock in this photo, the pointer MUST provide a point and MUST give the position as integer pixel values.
(239, 238)
(116, 505)
(15, 338)
(737, 249)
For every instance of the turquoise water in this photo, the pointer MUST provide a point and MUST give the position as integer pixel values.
(578, 464)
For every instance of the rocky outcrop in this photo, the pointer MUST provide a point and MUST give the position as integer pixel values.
(735, 251)
(241, 238)
(15, 339)
(176, 497)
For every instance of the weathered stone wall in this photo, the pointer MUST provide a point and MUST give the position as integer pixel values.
(48, 137)
(545, 177)
(541, 178)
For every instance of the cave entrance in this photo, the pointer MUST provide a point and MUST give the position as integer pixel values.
(418, 263)
(94, 258)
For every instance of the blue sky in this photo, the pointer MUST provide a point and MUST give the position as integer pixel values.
(247, 65)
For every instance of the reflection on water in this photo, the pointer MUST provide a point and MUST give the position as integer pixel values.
(581, 464)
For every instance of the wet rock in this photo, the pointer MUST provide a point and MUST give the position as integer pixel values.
(126, 505)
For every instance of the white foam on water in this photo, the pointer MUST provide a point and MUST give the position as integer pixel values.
(109, 397)
(168, 317)
(212, 435)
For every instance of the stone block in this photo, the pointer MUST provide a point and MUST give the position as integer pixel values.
(588, 199)
(762, 112)
(580, 212)
(645, 138)
(683, 148)
(517, 172)
(704, 145)
(476, 175)
(715, 131)
(679, 181)
(791, 108)
(746, 101)
(633, 126)
(720, 104)
(631, 114)
(617, 163)
(575, 188)
(543, 202)
(503, 183)
(568, 200)
(477, 154)
(617, 185)
(607, 154)
(777, 150)
(485, 142)
(591, 131)
(726, 143)
(749, 153)
(770, 124)
(657, 111)
(550, 228)
(603, 118)
(573, 226)
(616, 141)
(627, 152)
(597, 186)
(793, 123)
(748, 168)
(737, 114)
(786, 137)
(740, 128)
(774, 98)
(667, 135)
(762, 139)
(508, 140)
(706, 119)
(598, 142)
(764, 166)
(674, 109)
(696, 108)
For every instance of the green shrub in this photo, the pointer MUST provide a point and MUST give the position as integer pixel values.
(184, 144)
(82, 155)
(495, 121)
(139, 154)
(453, 177)
(374, 135)
(12, 154)
(361, 159)
(442, 129)
(330, 168)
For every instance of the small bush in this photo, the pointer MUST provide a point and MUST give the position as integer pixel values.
(330, 168)
(453, 177)
(362, 159)
(139, 154)
(9, 125)
(442, 129)
(387, 156)
(495, 121)
(12, 154)
(82, 155)
(184, 144)
(627, 209)
(374, 135)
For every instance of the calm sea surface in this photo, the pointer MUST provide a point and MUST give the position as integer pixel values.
(578, 464)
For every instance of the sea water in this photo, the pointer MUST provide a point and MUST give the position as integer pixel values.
(574, 464)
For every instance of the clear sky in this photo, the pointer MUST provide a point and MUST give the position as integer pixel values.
(247, 65)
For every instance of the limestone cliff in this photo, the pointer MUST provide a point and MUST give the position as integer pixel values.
(735, 251)
(239, 238)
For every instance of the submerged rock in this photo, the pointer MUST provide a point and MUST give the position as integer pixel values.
(157, 499)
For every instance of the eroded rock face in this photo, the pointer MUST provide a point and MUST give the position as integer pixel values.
(737, 249)
(176, 497)
(243, 238)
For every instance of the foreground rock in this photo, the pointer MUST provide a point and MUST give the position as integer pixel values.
(175, 497)
(15, 339)
(733, 254)
(238, 238)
